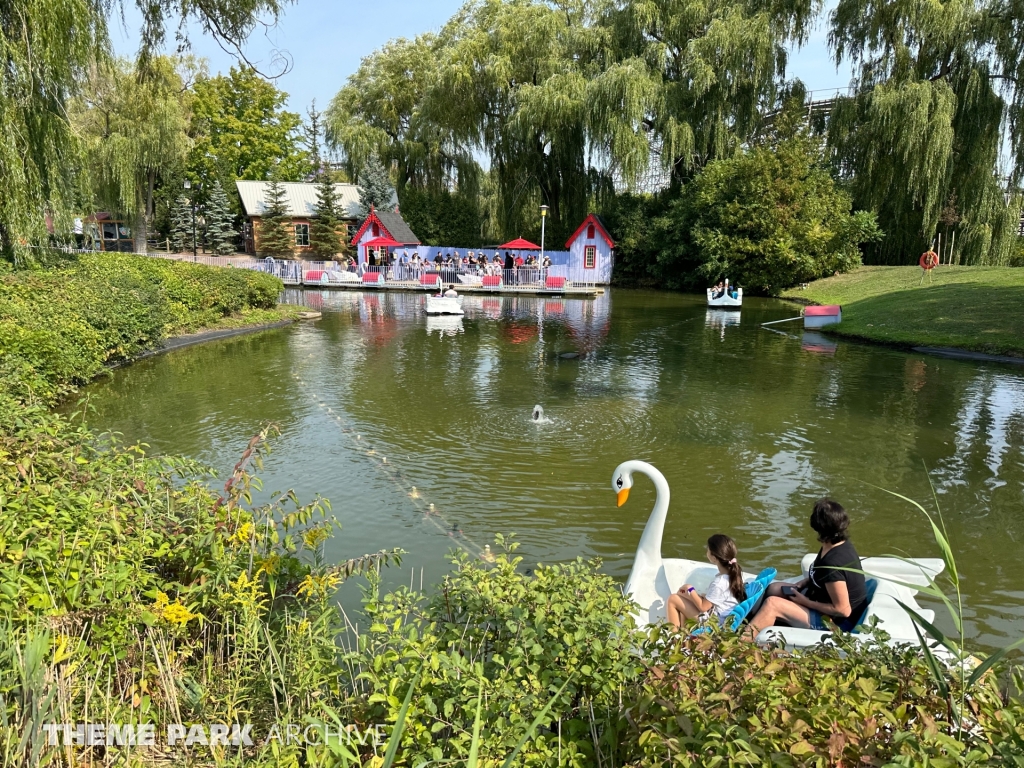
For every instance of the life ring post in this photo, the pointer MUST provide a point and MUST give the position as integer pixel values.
(929, 260)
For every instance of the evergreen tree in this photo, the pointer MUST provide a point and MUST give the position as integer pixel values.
(374, 185)
(220, 230)
(325, 239)
(181, 225)
(276, 235)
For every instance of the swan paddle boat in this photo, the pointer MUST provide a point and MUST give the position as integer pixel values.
(444, 305)
(725, 301)
(654, 578)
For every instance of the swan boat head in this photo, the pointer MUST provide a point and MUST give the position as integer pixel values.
(652, 578)
(649, 550)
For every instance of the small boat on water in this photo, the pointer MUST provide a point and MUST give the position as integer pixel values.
(727, 300)
(444, 305)
(654, 579)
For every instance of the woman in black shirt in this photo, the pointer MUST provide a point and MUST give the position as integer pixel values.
(830, 593)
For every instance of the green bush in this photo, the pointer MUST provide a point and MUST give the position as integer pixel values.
(62, 325)
(441, 218)
(768, 219)
(718, 699)
(564, 632)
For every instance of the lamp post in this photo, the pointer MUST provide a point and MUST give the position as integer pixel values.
(188, 186)
(543, 218)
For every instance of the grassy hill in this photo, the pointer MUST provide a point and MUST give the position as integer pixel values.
(974, 308)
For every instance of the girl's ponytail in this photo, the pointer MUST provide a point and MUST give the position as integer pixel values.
(724, 550)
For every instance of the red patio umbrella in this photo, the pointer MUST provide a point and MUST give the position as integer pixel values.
(519, 245)
(382, 242)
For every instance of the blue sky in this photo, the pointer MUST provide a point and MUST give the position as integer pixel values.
(326, 39)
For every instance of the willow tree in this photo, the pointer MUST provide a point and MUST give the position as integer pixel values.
(694, 76)
(46, 50)
(512, 82)
(379, 110)
(134, 134)
(920, 137)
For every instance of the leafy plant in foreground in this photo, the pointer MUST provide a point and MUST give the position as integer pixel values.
(964, 665)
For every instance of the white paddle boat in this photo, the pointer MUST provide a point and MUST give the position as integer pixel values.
(444, 305)
(725, 301)
(654, 578)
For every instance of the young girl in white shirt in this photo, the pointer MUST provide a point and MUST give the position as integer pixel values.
(725, 592)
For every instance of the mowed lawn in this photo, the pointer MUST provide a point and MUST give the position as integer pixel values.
(974, 308)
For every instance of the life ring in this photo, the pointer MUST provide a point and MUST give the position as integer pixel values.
(929, 260)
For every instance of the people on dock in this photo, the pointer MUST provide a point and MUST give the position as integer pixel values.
(724, 594)
(834, 592)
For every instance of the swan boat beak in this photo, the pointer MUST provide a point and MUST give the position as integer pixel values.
(622, 496)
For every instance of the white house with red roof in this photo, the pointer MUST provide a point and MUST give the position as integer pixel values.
(591, 251)
(382, 224)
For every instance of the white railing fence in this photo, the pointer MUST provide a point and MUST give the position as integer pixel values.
(295, 272)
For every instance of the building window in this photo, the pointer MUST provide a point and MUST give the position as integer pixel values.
(590, 257)
(590, 232)
(302, 234)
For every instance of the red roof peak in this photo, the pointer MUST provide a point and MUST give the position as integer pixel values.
(596, 221)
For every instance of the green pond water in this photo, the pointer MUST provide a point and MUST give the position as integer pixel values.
(749, 427)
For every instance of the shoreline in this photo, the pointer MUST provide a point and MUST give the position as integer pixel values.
(291, 314)
(172, 343)
(952, 353)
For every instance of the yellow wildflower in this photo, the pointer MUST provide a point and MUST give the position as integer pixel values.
(177, 614)
(269, 564)
(318, 585)
(246, 593)
(243, 533)
(173, 613)
(315, 536)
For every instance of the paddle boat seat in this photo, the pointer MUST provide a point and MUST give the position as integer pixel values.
(755, 594)
(885, 593)
(313, 276)
(373, 278)
(555, 283)
(491, 281)
(430, 280)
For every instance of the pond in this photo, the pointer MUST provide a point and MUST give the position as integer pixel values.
(749, 426)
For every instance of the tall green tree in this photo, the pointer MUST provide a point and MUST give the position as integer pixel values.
(47, 49)
(767, 219)
(380, 109)
(325, 229)
(441, 218)
(375, 185)
(133, 127)
(276, 232)
(512, 81)
(220, 223)
(692, 76)
(325, 239)
(181, 225)
(242, 131)
(920, 137)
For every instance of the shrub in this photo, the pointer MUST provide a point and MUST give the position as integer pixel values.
(563, 632)
(719, 699)
(60, 326)
(768, 219)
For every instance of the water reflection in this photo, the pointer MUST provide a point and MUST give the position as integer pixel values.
(748, 426)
